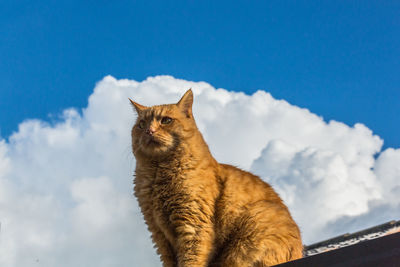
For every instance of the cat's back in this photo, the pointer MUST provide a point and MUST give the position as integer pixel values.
(245, 185)
(251, 209)
(243, 191)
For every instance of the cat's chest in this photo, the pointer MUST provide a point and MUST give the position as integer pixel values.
(161, 186)
(166, 186)
(164, 192)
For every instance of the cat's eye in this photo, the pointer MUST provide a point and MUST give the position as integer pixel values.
(166, 120)
(141, 124)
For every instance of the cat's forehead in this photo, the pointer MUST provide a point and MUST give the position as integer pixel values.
(158, 111)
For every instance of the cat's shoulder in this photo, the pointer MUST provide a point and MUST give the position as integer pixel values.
(228, 170)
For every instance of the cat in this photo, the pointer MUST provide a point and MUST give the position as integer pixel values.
(201, 212)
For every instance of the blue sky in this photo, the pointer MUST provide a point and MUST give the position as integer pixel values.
(340, 59)
(68, 187)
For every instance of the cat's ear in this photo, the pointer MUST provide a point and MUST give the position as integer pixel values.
(186, 102)
(139, 108)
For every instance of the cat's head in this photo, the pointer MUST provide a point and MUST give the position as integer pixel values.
(160, 129)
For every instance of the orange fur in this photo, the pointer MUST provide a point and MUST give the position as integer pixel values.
(200, 212)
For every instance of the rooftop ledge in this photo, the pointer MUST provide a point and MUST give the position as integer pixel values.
(376, 246)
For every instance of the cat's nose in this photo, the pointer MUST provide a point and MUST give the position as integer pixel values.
(150, 131)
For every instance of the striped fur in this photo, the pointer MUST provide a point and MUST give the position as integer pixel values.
(200, 212)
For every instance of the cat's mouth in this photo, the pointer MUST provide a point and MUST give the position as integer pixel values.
(151, 141)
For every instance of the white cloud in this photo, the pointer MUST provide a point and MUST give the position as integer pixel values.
(387, 168)
(66, 188)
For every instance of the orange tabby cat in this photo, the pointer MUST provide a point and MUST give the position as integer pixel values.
(201, 212)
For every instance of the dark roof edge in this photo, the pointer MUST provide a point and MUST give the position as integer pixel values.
(347, 236)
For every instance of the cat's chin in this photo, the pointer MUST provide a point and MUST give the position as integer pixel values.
(154, 148)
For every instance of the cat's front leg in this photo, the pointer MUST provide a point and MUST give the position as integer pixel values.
(164, 248)
(162, 245)
(194, 244)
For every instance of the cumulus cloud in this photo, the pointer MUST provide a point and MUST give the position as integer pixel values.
(66, 188)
